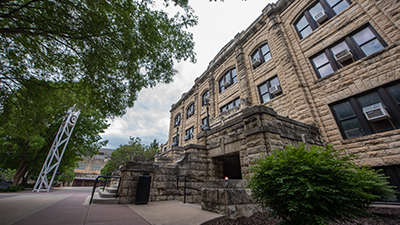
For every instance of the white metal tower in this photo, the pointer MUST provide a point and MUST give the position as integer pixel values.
(54, 157)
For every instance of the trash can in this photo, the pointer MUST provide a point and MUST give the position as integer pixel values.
(143, 189)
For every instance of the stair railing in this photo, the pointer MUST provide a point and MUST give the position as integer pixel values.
(107, 176)
(186, 179)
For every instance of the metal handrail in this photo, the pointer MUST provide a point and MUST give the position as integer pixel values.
(104, 186)
(184, 187)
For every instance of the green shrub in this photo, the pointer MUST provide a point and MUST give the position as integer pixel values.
(315, 185)
(14, 188)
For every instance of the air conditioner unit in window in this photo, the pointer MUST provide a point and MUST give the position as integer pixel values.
(202, 127)
(275, 89)
(227, 84)
(256, 62)
(321, 17)
(343, 56)
(375, 112)
(186, 137)
(353, 133)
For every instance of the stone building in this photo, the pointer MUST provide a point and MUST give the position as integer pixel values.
(317, 71)
(89, 168)
(312, 71)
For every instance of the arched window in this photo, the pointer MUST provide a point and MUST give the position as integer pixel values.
(190, 110)
(227, 80)
(261, 55)
(177, 120)
(205, 97)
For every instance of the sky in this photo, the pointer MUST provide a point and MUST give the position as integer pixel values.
(218, 23)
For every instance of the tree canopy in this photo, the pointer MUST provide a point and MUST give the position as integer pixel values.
(102, 51)
(124, 153)
(96, 55)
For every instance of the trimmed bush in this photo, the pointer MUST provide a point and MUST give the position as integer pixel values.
(316, 185)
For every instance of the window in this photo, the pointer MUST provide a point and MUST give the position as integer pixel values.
(81, 165)
(190, 111)
(269, 89)
(369, 113)
(227, 80)
(177, 120)
(204, 123)
(96, 166)
(204, 98)
(352, 48)
(175, 140)
(317, 14)
(261, 55)
(189, 134)
(230, 105)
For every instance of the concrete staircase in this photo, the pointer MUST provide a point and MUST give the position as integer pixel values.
(107, 196)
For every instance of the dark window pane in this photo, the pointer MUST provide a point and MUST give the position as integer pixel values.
(343, 110)
(237, 102)
(325, 70)
(382, 125)
(363, 36)
(304, 33)
(351, 125)
(369, 99)
(372, 47)
(340, 7)
(395, 91)
(302, 23)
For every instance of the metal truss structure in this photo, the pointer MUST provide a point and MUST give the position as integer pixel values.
(54, 157)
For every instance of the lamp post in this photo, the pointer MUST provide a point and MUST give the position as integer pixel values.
(208, 116)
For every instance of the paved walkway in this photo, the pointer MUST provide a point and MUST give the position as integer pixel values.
(68, 206)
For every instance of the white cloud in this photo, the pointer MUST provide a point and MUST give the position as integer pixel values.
(219, 22)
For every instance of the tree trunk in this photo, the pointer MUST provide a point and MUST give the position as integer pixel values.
(22, 169)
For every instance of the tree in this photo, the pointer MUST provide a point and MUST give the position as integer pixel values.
(124, 153)
(316, 185)
(96, 55)
(102, 51)
(27, 133)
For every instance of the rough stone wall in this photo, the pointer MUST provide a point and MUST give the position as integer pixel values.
(382, 67)
(229, 197)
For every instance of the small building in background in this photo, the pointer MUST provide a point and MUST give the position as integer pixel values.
(89, 168)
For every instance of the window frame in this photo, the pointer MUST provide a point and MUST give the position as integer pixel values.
(311, 21)
(391, 106)
(268, 84)
(235, 102)
(222, 80)
(260, 54)
(352, 45)
(190, 110)
(179, 122)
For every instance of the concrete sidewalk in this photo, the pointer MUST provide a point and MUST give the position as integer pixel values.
(66, 206)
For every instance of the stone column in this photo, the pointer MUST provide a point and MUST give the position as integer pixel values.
(245, 97)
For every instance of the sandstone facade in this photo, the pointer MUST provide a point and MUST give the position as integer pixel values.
(307, 93)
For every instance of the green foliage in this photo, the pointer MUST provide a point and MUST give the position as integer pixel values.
(13, 188)
(315, 185)
(102, 53)
(125, 153)
(7, 174)
(28, 129)
(67, 176)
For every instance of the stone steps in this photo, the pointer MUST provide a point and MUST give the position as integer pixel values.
(107, 196)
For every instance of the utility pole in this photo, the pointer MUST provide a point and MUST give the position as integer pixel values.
(54, 157)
